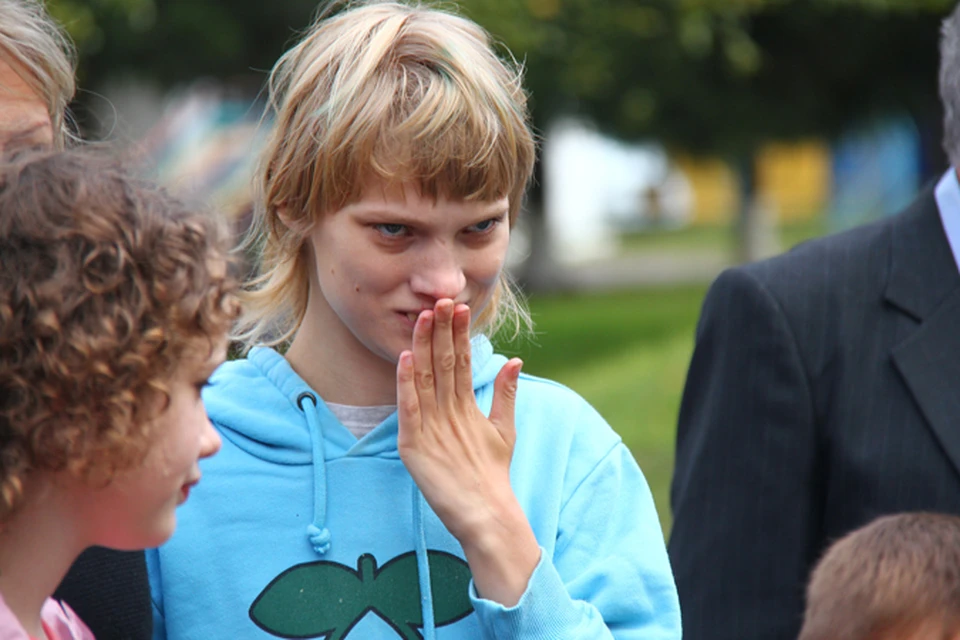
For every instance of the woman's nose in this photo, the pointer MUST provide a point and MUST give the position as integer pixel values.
(440, 275)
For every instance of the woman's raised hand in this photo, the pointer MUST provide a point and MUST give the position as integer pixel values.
(459, 458)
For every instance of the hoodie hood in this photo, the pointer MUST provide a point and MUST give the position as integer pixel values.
(255, 402)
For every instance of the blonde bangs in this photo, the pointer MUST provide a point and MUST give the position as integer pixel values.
(401, 93)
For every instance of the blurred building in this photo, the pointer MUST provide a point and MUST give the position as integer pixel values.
(596, 187)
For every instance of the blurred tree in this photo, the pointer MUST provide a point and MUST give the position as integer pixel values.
(173, 41)
(723, 76)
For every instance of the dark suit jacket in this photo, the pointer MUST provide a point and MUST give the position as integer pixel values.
(824, 391)
(110, 592)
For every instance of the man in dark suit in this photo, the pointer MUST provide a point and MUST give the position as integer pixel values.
(108, 589)
(824, 391)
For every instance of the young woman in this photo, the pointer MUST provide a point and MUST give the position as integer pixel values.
(114, 308)
(389, 476)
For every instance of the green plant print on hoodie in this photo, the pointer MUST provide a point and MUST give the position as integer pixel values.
(326, 599)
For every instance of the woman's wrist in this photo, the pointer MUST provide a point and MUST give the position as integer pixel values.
(502, 555)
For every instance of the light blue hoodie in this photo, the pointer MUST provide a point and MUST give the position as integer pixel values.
(299, 530)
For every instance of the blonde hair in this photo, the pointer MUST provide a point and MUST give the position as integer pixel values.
(388, 90)
(30, 40)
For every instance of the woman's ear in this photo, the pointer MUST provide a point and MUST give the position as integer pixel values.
(283, 215)
(298, 224)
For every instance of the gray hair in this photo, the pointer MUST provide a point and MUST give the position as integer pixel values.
(950, 85)
(30, 40)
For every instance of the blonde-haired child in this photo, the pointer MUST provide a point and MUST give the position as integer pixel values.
(115, 300)
(389, 476)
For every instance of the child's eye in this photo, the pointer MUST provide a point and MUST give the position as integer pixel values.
(202, 385)
(391, 230)
(485, 226)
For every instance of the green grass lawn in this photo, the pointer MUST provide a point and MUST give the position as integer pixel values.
(627, 354)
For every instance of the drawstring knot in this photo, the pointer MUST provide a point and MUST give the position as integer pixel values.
(317, 532)
(319, 538)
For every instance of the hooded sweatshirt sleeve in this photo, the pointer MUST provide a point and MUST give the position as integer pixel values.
(608, 576)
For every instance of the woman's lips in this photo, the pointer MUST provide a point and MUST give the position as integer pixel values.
(409, 317)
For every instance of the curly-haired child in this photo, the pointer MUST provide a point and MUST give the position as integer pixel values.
(115, 299)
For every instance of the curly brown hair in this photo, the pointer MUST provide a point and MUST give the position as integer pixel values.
(106, 281)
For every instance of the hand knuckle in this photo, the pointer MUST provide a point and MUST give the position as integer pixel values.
(448, 362)
(425, 380)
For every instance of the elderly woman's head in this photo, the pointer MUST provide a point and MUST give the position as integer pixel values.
(37, 63)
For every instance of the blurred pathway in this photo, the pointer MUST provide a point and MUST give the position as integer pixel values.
(649, 268)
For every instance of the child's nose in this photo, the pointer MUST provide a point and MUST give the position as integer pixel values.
(209, 439)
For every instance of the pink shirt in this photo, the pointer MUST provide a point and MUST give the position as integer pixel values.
(59, 623)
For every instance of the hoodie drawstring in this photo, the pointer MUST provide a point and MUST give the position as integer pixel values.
(319, 535)
(423, 567)
(317, 531)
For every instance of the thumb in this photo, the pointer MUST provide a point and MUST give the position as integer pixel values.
(505, 396)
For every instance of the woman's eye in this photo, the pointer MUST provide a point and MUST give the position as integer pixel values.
(391, 230)
(485, 226)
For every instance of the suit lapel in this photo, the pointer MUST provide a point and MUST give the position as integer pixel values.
(929, 361)
(924, 283)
